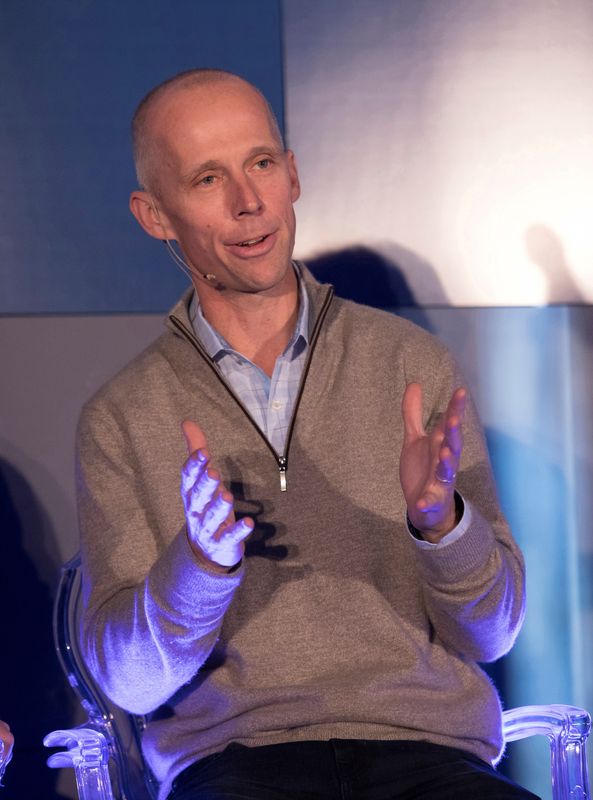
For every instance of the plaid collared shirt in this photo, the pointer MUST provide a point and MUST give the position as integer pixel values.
(270, 401)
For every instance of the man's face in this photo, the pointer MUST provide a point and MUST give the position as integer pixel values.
(225, 185)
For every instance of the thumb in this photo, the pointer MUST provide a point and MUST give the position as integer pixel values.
(194, 436)
(412, 411)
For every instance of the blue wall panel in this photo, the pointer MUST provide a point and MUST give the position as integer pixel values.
(72, 75)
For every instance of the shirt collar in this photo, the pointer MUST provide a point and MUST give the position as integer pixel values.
(217, 346)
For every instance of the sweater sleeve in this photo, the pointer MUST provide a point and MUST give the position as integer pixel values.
(152, 613)
(474, 587)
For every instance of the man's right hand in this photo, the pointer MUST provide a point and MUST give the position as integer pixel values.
(214, 535)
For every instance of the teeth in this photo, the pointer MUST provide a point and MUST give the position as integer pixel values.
(250, 242)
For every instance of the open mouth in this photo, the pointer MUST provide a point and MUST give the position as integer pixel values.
(252, 242)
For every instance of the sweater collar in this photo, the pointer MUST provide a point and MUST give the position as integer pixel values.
(317, 293)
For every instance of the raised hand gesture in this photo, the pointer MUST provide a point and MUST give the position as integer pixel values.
(214, 535)
(429, 463)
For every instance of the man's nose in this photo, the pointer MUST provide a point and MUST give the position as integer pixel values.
(245, 197)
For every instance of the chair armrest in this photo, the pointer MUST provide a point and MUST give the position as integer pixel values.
(88, 752)
(567, 729)
(569, 722)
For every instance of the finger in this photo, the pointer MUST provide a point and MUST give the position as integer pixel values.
(195, 439)
(192, 470)
(454, 422)
(454, 436)
(434, 511)
(457, 402)
(446, 468)
(238, 531)
(456, 408)
(226, 547)
(437, 498)
(430, 503)
(203, 492)
(412, 411)
(215, 514)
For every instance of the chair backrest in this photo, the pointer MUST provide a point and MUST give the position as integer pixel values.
(130, 777)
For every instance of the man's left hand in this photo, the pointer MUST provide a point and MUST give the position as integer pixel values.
(429, 463)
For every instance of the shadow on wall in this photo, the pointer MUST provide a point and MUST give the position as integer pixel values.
(372, 278)
(545, 249)
(34, 695)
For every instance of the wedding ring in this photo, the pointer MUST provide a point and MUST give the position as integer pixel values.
(447, 480)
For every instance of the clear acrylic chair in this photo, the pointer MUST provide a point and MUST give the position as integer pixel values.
(105, 752)
(106, 755)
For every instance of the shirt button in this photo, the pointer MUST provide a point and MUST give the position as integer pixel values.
(276, 404)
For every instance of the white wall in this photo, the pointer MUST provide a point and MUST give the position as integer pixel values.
(454, 132)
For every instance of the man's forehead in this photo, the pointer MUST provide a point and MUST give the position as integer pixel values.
(197, 100)
(210, 122)
(214, 120)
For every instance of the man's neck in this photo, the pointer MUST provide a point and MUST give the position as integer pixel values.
(259, 325)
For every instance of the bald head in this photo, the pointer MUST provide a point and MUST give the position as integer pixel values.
(148, 143)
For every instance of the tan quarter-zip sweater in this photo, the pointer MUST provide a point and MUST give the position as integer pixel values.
(336, 625)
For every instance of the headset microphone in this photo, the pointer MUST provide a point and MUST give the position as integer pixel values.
(184, 266)
(181, 263)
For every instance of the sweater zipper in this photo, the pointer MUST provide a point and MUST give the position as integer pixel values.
(282, 468)
(282, 460)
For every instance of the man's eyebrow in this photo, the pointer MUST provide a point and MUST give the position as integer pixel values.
(188, 177)
(273, 149)
(213, 164)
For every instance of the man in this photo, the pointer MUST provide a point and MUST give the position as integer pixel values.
(300, 623)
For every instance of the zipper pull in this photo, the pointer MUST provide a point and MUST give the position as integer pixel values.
(282, 467)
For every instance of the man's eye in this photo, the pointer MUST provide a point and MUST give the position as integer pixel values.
(207, 180)
(264, 163)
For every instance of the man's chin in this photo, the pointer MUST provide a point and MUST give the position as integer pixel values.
(265, 279)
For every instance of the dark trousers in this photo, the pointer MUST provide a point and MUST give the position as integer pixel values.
(344, 769)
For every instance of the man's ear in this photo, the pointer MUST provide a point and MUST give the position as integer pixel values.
(144, 207)
(294, 176)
